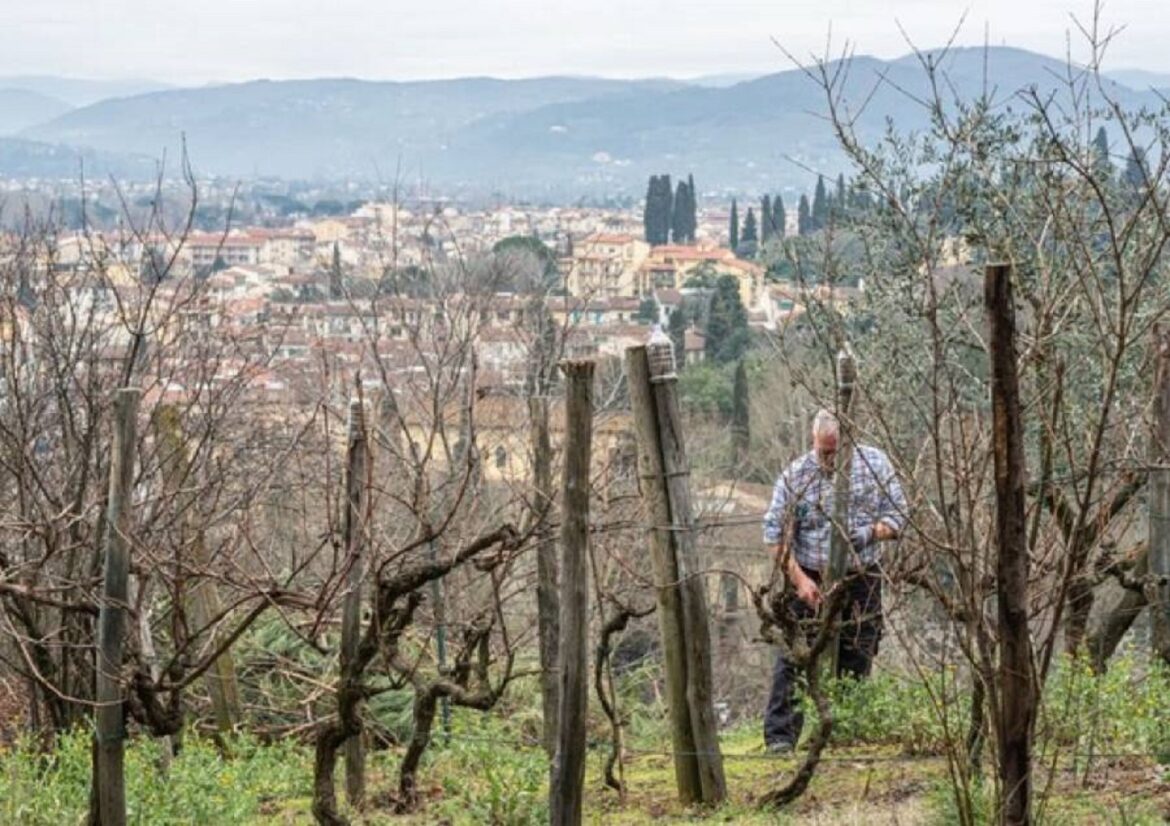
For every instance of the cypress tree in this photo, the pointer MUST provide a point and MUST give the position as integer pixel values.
(766, 218)
(336, 292)
(692, 209)
(740, 419)
(749, 238)
(841, 193)
(779, 217)
(803, 217)
(678, 219)
(820, 205)
(656, 217)
(734, 238)
(665, 210)
(648, 209)
(1101, 160)
(749, 229)
(727, 330)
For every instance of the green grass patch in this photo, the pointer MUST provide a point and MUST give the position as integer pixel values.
(200, 786)
(1101, 755)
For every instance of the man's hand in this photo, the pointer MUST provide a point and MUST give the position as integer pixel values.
(862, 537)
(807, 590)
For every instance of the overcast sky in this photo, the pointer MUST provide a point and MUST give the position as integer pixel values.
(197, 41)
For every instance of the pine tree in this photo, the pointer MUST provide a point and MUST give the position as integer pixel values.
(820, 205)
(779, 217)
(803, 217)
(740, 419)
(734, 237)
(766, 218)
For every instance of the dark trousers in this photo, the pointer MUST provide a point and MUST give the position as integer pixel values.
(861, 631)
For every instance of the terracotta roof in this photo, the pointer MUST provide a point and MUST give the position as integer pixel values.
(609, 238)
(691, 253)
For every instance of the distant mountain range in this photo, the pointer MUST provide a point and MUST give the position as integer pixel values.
(80, 91)
(21, 108)
(555, 137)
(21, 158)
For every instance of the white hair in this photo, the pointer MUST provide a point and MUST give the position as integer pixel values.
(825, 424)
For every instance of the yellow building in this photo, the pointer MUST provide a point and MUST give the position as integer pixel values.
(606, 265)
(670, 267)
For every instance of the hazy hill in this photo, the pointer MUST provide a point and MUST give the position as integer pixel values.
(763, 134)
(20, 108)
(80, 91)
(314, 128)
(1141, 79)
(21, 158)
(558, 137)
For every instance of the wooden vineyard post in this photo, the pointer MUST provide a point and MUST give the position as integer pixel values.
(696, 627)
(537, 390)
(547, 604)
(1159, 559)
(110, 729)
(353, 526)
(1016, 678)
(840, 546)
(567, 786)
(687, 639)
(670, 618)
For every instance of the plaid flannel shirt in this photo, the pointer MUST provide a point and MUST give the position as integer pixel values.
(803, 498)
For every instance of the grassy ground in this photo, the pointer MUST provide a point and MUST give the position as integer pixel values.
(855, 785)
(886, 764)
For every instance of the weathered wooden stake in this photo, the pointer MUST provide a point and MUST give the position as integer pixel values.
(696, 624)
(1159, 558)
(541, 360)
(110, 728)
(351, 615)
(547, 603)
(670, 617)
(567, 787)
(1017, 682)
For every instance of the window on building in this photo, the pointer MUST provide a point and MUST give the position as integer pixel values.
(664, 279)
(501, 457)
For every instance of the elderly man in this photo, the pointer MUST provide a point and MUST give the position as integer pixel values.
(798, 530)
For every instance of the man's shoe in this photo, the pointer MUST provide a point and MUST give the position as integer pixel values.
(780, 747)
